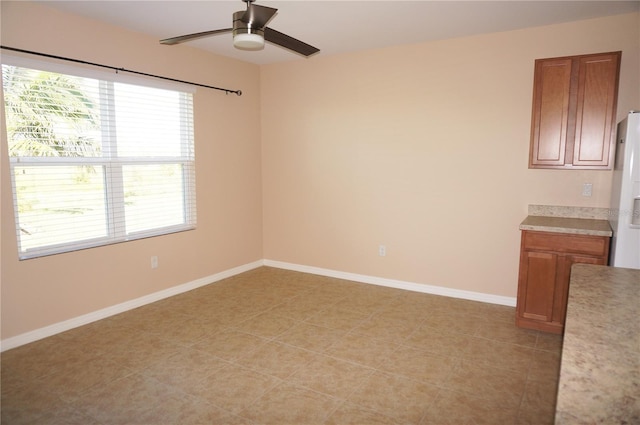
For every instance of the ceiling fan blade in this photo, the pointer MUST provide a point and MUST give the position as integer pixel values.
(258, 16)
(189, 37)
(290, 43)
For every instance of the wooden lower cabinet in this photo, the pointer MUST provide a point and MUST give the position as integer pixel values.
(545, 267)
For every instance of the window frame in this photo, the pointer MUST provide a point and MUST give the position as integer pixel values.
(112, 165)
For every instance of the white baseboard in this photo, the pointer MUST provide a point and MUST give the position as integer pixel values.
(85, 319)
(410, 286)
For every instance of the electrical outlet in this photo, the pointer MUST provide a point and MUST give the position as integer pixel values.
(382, 250)
(587, 189)
(154, 262)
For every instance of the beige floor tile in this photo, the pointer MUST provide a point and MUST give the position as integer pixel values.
(73, 379)
(498, 386)
(148, 318)
(299, 308)
(233, 388)
(27, 404)
(549, 342)
(266, 325)
(232, 312)
(467, 307)
(101, 336)
(260, 301)
(311, 337)
(507, 332)
(352, 414)
(538, 403)
(337, 317)
(42, 358)
(287, 404)
(421, 365)
(364, 303)
(401, 308)
(327, 293)
(178, 370)
(452, 408)
(497, 313)
(276, 359)
(229, 344)
(137, 353)
(401, 399)
(132, 399)
(484, 352)
(453, 321)
(438, 340)
(361, 349)
(225, 315)
(332, 376)
(190, 331)
(386, 327)
(62, 415)
(182, 328)
(189, 411)
(545, 366)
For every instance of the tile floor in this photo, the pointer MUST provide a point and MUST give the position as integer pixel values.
(278, 347)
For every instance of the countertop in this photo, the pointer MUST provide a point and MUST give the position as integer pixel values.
(577, 226)
(600, 368)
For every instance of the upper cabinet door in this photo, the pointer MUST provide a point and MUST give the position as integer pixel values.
(550, 112)
(596, 110)
(574, 112)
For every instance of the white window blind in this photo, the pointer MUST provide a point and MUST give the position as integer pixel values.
(96, 162)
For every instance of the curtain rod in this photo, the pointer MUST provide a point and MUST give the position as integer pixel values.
(227, 91)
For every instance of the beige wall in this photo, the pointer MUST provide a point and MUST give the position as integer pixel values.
(422, 148)
(45, 291)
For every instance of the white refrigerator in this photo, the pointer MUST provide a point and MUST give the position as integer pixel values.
(625, 195)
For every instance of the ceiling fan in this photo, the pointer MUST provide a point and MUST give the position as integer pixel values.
(250, 32)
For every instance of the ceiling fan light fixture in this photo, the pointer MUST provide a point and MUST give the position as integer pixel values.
(248, 41)
(250, 32)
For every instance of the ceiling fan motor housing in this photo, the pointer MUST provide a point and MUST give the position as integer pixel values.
(245, 36)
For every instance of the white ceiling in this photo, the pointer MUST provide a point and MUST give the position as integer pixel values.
(339, 26)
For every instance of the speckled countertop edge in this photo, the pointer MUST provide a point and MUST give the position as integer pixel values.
(600, 367)
(572, 220)
(576, 226)
(569, 212)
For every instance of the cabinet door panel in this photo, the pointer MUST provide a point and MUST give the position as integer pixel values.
(550, 112)
(595, 117)
(540, 275)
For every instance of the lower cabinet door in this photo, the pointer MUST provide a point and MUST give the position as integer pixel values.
(538, 285)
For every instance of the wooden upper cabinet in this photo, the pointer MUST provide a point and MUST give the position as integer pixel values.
(573, 120)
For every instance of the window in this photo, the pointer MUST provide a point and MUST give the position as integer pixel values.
(95, 161)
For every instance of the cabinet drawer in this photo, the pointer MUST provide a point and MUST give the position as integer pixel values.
(564, 242)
